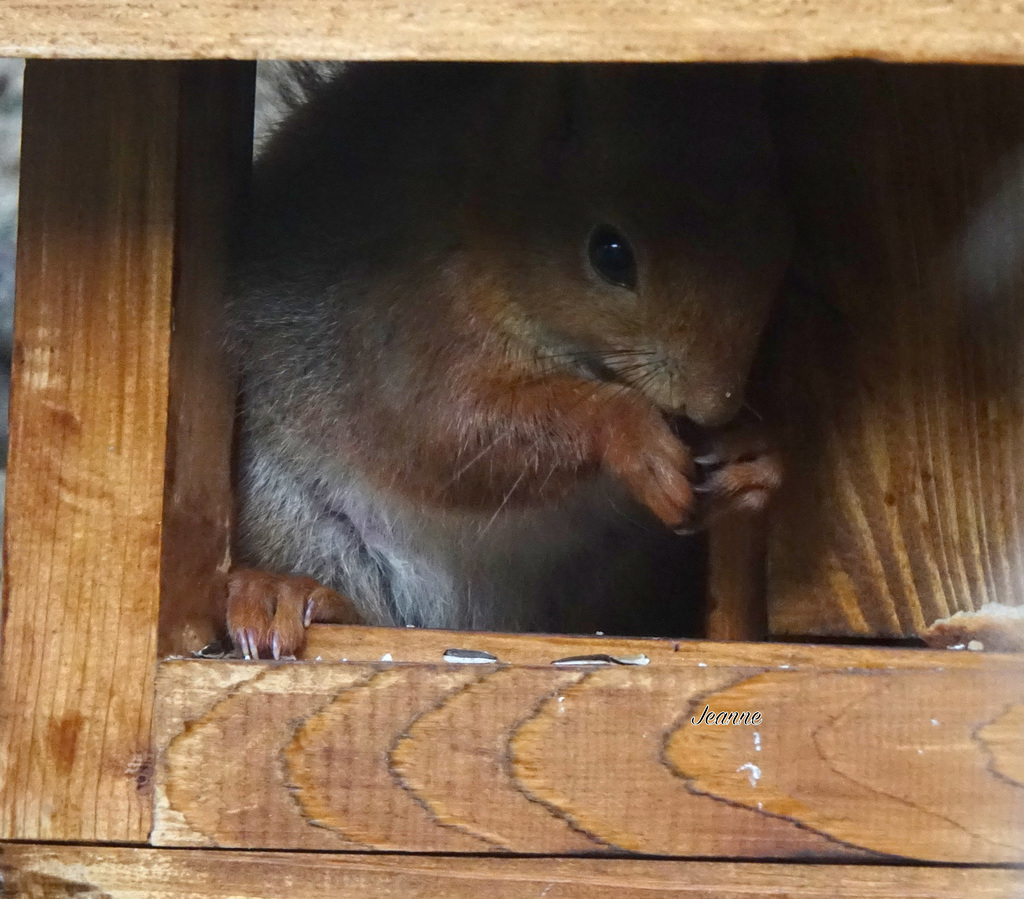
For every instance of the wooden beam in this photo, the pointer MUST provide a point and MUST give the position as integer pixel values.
(650, 30)
(855, 754)
(737, 608)
(216, 141)
(89, 442)
(88, 418)
(900, 394)
(152, 873)
(333, 643)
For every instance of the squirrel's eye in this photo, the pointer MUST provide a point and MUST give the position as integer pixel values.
(612, 257)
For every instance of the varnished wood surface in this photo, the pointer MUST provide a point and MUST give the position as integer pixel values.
(334, 643)
(34, 872)
(901, 392)
(85, 482)
(912, 30)
(737, 605)
(872, 754)
(125, 188)
(215, 152)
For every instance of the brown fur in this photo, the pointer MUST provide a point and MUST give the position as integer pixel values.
(417, 315)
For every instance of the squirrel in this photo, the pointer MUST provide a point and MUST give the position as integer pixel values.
(474, 305)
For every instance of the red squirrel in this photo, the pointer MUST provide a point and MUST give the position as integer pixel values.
(474, 300)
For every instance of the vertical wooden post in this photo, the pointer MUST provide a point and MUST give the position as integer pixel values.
(216, 140)
(902, 382)
(102, 150)
(736, 605)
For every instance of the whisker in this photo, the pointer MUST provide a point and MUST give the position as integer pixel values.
(636, 366)
(753, 411)
(596, 354)
(458, 474)
(508, 495)
(544, 483)
(647, 379)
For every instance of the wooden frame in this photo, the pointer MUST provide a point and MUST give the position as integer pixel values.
(563, 30)
(156, 874)
(125, 167)
(845, 754)
(119, 514)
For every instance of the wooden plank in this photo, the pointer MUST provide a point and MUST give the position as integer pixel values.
(101, 247)
(851, 757)
(333, 643)
(737, 607)
(913, 30)
(901, 392)
(216, 137)
(32, 871)
(88, 418)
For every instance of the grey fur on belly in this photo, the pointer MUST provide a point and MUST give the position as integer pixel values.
(593, 563)
(295, 521)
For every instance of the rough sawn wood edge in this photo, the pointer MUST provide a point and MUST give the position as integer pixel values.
(562, 30)
(30, 870)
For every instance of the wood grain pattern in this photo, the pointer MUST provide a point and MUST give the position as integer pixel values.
(901, 390)
(41, 871)
(913, 30)
(858, 754)
(88, 421)
(334, 643)
(215, 137)
(126, 189)
(737, 605)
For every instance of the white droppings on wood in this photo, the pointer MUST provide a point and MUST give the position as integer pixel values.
(754, 772)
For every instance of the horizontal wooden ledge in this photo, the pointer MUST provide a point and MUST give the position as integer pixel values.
(652, 30)
(855, 754)
(151, 873)
(338, 643)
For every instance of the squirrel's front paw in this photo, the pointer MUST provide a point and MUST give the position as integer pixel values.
(655, 465)
(738, 470)
(269, 613)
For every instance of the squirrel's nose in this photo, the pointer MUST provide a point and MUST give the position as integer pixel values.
(713, 408)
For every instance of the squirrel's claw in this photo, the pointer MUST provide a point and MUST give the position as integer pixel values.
(269, 613)
(737, 472)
